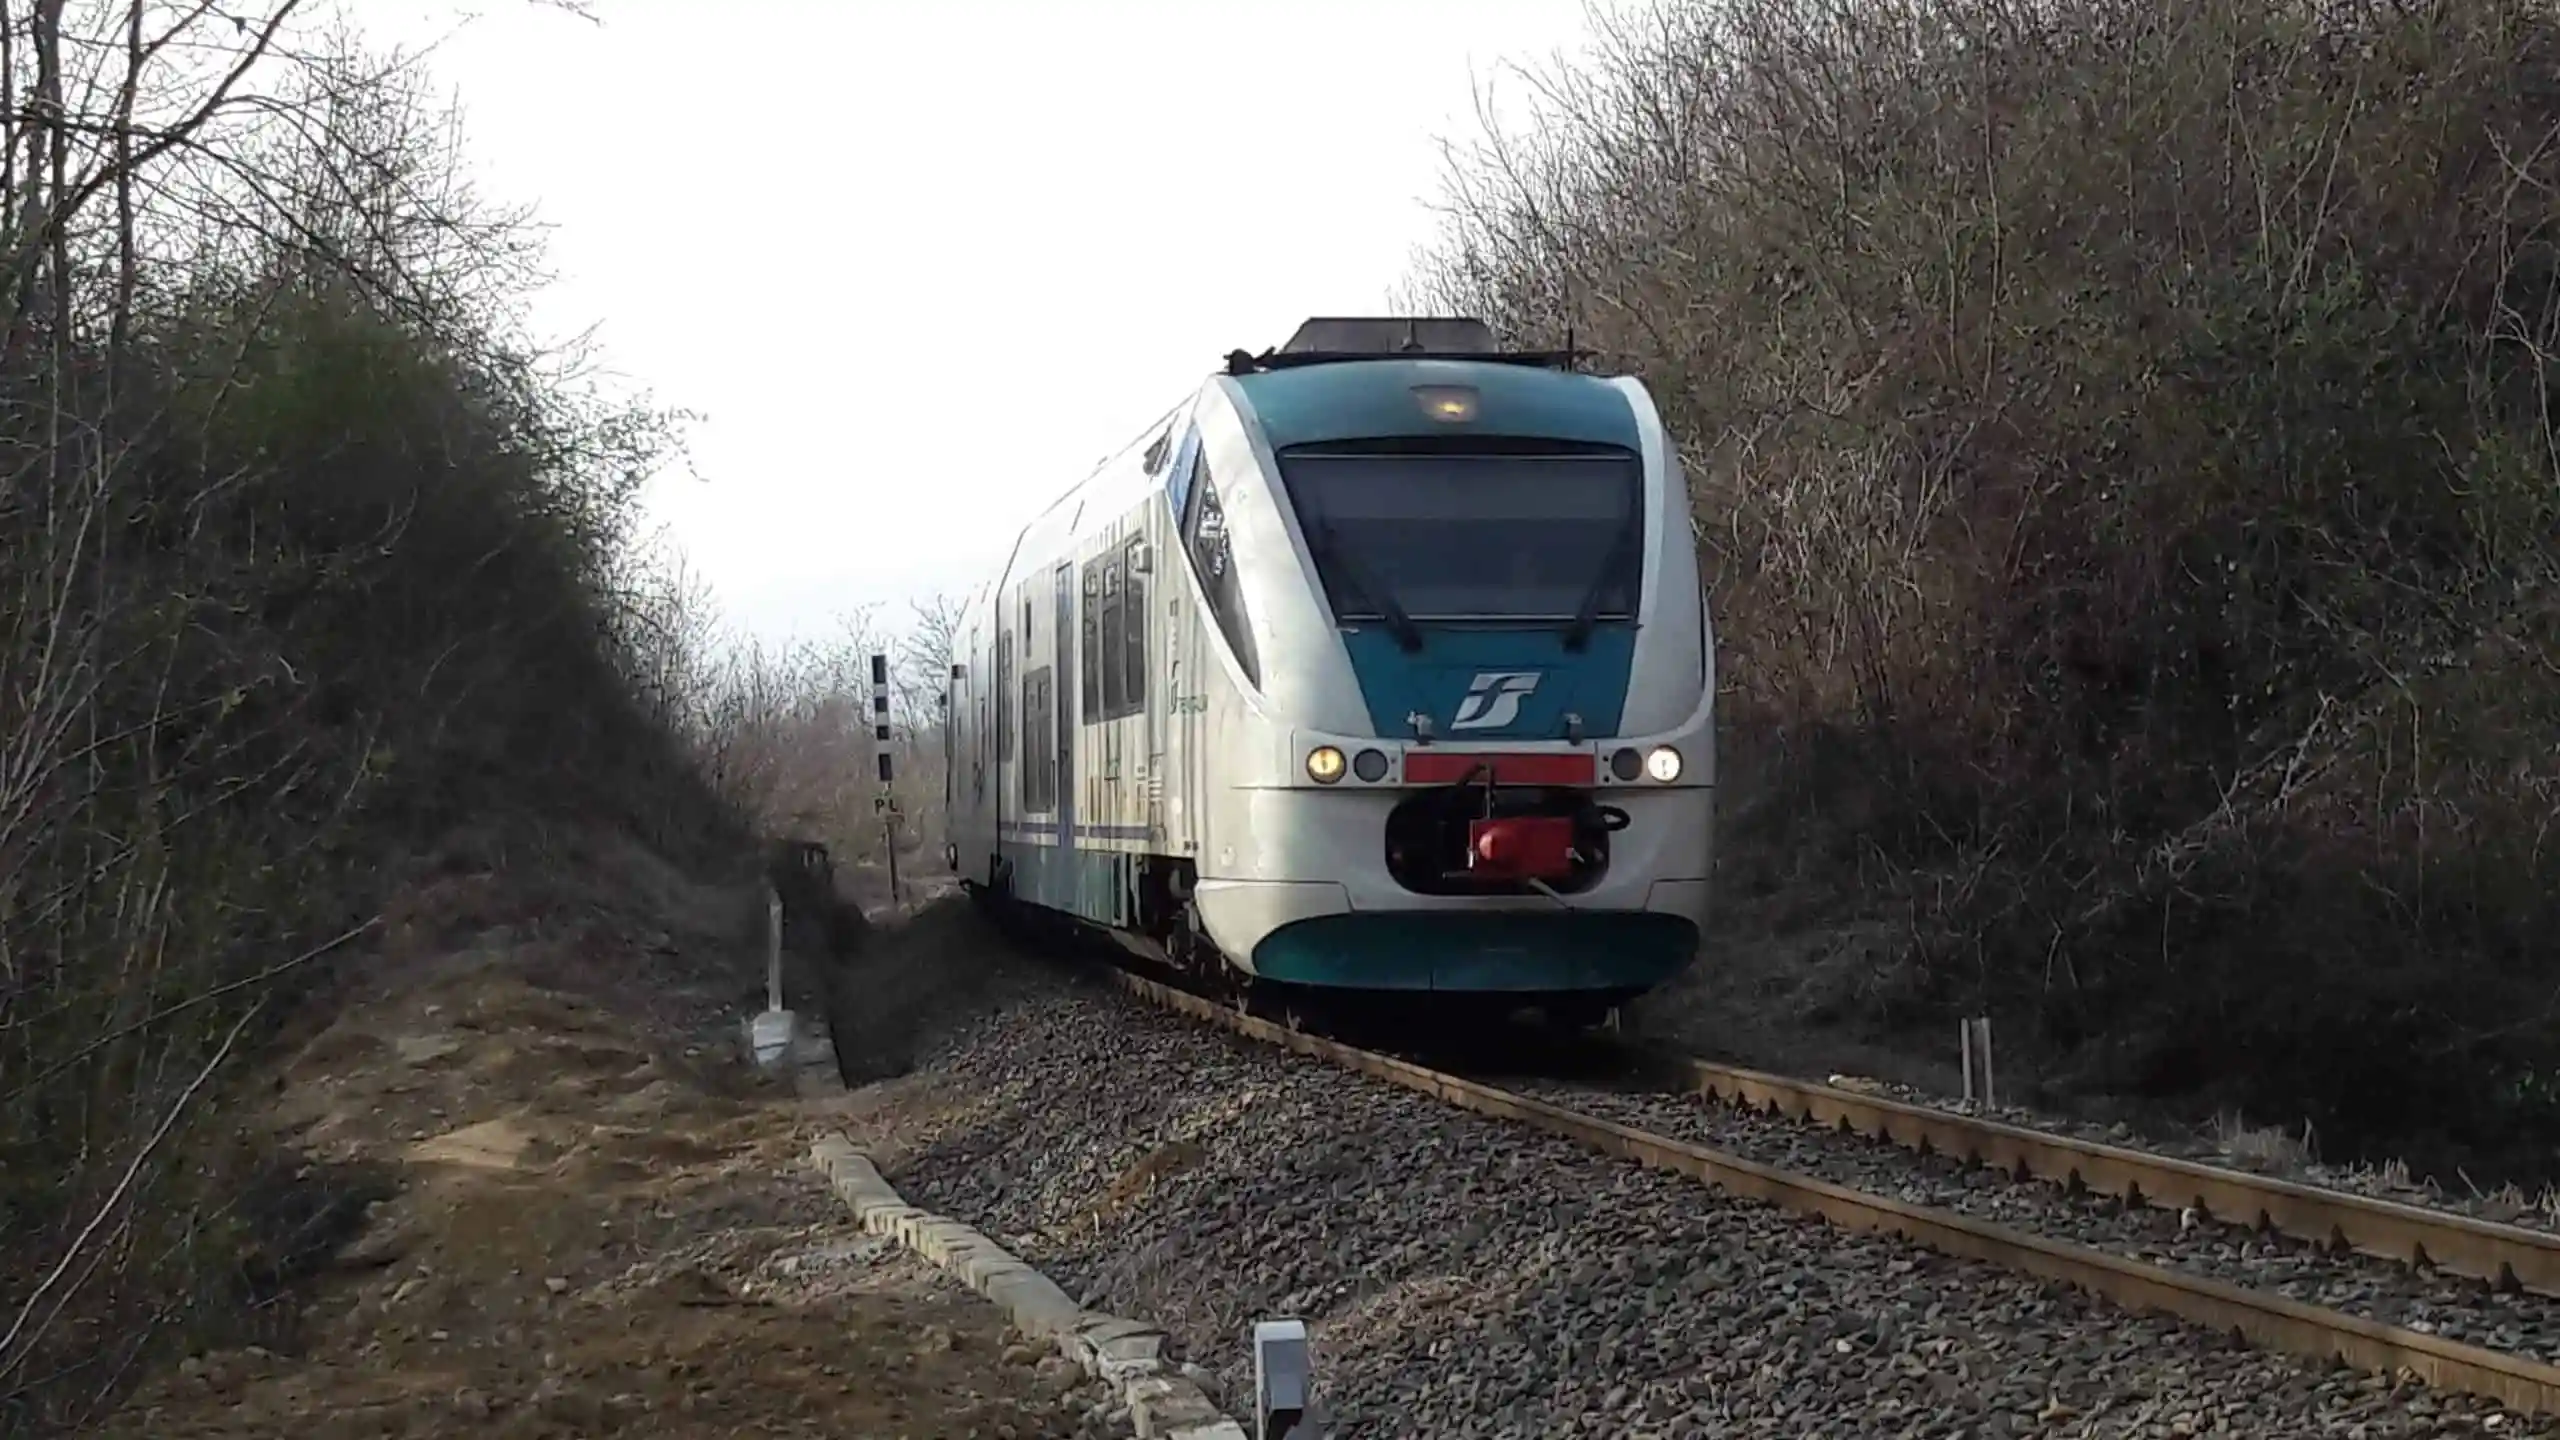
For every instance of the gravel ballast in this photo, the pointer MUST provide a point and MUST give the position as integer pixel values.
(1463, 1277)
(2455, 1307)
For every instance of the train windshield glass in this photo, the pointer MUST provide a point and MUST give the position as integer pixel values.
(1424, 536)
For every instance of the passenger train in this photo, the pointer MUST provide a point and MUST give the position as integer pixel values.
(1379, 665)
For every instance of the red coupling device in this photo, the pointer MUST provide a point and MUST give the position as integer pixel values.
(1521, 847)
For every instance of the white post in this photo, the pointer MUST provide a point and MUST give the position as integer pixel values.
(1974, 1035)
(769, 1034)
(1283, 1384)
(772, 949)
(1990, 1092)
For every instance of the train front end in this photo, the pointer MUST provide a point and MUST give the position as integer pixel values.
(1498, 777)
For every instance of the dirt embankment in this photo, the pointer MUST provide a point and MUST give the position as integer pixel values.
(546, 1197)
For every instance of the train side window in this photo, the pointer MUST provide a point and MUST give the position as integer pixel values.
(1114, 599)
(1020, 697)
(1133, 614)
(1179, 486)
(1004, 696)
(1089, 644)
(1032, 732)
(1039, 762)
(1204, 536)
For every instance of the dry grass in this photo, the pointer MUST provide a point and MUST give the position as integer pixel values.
(2263, 1148)
(2122, 453)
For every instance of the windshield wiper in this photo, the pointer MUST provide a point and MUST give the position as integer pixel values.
(1587, 614)
(1399, 624)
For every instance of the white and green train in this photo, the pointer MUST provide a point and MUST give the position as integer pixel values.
(1379, 664)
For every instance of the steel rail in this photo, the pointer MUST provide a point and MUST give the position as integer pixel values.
(2268, 1320)
(2508, 1256)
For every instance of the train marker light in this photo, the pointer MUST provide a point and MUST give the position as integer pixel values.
(1370, 765)
(1626, 764)
(1663, 764)
(1324, 764)
(1453, 404)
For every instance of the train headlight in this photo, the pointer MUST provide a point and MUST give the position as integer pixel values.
(1449, 404)
(1370, 765)
(1663, 764)
(1324, 764)
(1626, 764)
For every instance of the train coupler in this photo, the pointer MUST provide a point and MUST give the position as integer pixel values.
(1521, 847)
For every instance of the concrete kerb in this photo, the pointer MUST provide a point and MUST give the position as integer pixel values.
(1127, 1354)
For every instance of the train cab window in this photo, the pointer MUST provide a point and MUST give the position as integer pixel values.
(1114, 597)
(1133, 619)
(1089, 646)
(1502, 536)
(1204, 538)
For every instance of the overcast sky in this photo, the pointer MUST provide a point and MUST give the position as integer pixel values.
(921, 263)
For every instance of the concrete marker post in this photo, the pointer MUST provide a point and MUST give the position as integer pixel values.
(769, 1034)
(1974, 1037)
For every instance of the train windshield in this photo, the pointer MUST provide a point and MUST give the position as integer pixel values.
(1432, 536)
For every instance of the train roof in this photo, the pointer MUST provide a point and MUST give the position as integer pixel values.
(1342, 378)
(1335, 339)
(1375, 399)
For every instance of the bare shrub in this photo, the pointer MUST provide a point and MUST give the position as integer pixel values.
(306, 559)
(2122, 449)
(786, 732)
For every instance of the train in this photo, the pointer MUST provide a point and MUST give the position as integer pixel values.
(1377, 668)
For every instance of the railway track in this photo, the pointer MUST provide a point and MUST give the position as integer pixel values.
(2506, 1257)
(2518, 1262)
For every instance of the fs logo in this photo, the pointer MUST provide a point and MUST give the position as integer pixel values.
(1493, 699)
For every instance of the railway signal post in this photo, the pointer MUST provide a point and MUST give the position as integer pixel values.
(887, 803)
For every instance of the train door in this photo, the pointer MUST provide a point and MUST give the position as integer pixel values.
(1147, 736)
(1123, 679)
(1064, 625)
(1183, 762)
(1008, 721)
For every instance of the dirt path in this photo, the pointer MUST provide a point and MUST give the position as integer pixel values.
(595, 1223)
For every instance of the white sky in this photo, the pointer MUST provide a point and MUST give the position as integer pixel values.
(846, 232)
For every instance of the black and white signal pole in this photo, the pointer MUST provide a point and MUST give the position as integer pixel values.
(887, 804)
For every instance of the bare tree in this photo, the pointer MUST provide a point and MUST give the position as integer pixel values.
(2045, 522)
(302, 548)
(925, 651)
